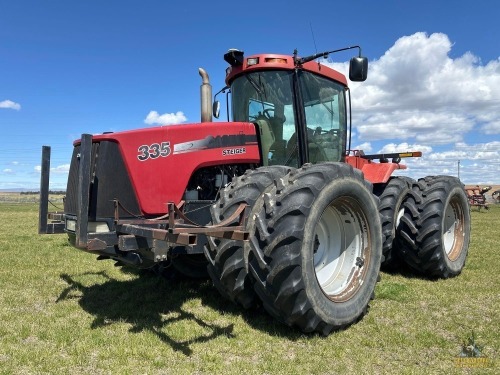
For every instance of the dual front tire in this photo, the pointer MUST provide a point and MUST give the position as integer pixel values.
(319, 248)
(226, 258)
(314, 253)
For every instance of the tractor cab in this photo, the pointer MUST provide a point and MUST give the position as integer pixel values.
(299, 107)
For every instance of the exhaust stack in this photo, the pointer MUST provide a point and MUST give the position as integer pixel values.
(205, 96)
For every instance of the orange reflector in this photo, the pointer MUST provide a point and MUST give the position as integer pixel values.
(275, 60)
(416, 154)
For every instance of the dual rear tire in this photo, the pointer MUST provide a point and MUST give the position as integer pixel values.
(435, 228)
(392, 196)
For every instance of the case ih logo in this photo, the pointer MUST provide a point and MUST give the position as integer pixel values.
(234, 151)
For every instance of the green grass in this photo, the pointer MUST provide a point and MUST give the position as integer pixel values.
(63, 312)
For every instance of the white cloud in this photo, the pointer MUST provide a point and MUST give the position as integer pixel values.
(154, 118)
(10, 105)
(490, 146)
(404, 147)
(366, 147)
(8, 171)
(416, 91)
(478, 163)
(60, 169)
(419, 98)
(492, 127)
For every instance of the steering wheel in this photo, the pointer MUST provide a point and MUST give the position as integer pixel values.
(321, 131)
(264, 115)
(266, 111)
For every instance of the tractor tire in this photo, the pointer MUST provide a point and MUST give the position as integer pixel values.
(435, 228)
(392, 196)
(227, 261)
(316, 249)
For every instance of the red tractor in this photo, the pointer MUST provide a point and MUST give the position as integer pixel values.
(274, 205)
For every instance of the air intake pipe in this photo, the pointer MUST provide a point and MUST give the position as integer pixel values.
(206, 96)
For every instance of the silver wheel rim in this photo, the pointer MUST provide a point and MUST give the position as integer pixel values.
(453, 229)
(341, 248)
(400, 214)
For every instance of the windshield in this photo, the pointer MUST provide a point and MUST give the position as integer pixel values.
(266, 98)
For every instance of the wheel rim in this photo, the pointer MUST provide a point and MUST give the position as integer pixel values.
(453, 229)
(399, 215)
(341, 249)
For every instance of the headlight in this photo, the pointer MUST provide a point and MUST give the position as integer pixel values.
(93, 226)
(71, 225)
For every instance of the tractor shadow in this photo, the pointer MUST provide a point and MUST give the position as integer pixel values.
(152, 303)
(147, 303)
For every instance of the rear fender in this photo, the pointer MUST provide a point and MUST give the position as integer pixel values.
(380, 172)
(374, 172)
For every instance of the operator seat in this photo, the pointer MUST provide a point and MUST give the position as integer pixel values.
(317, 153)
(328, 141)
(266, 137)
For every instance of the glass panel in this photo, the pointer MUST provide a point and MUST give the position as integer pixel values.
(324, 106)
(266, 99)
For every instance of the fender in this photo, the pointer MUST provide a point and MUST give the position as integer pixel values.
(374, 172)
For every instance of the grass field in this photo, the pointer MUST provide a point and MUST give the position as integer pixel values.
(63, 312)
(7, 197)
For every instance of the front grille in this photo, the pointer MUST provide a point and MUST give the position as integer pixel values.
(109, 181)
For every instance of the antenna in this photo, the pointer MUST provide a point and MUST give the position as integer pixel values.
(312, 34)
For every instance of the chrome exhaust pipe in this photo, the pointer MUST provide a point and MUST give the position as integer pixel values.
(206, 96)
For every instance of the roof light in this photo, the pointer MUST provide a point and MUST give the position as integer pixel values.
(252, 61)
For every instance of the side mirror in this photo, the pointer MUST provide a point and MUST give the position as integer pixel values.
(216, 109)
(358, 69)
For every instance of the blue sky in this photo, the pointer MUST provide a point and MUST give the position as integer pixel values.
(73, 67)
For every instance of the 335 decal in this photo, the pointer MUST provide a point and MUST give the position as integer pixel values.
(154, 151)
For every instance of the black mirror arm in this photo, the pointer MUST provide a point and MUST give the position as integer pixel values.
(303, 60)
